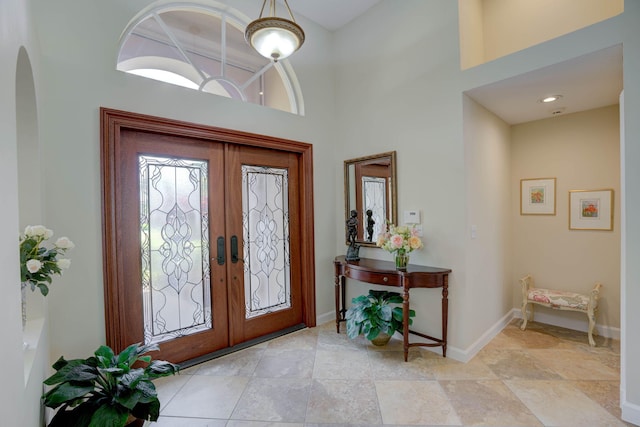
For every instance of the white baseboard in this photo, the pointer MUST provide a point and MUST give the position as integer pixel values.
(469, 353)
(630, 413)
(558, 318)
(325, 317)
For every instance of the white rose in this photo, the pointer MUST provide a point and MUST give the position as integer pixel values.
(64, 243)
(48, 233)
(35, 231)
(64, 263)
(33, 265)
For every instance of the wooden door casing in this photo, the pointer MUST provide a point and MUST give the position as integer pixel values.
(113, 124)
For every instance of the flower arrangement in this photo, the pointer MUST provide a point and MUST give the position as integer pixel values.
(400, 241)
(38, 263)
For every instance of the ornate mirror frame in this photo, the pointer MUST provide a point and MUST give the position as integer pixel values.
(370, 184)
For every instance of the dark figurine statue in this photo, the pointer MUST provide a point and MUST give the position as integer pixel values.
(370, 223)
(352, 231)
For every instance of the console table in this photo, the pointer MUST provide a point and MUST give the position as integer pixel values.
(385, 273)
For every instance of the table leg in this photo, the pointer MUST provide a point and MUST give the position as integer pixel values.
(445, 314)
(337, 297)
(405, 321)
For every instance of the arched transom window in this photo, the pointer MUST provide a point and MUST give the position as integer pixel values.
(203, 48)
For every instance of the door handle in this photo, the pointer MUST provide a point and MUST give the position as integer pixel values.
(234, 249)
(220, 257)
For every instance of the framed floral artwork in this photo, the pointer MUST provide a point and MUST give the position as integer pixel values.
(538, 196)
(591, 210)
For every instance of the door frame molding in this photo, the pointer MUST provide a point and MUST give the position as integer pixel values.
(111, 123)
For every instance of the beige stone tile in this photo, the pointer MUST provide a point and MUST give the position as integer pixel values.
(279, 363)
(305, 339)
(273, 399)
(504, 341)
(415, 403)
(606, 393)
(331, 340)
(186, 422)
(488, 403)
(391, 365)
(475, 369)
(343, 402)
(559, 403)
(516, 364)
(535, 336)
(575, 365)
(198, 395)
(241, 363)
(168, 387)
(342, 364)
(236, 423)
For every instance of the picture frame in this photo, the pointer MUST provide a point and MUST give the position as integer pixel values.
(591, 209)
(538, 196)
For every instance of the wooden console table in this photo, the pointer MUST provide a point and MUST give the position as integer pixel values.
(385, 273)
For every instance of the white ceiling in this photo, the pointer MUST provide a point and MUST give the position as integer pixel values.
(586, 82)
(331, 14)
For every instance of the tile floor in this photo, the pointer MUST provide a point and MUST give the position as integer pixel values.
(544, 376)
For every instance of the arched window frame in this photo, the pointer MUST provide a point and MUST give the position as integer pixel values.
(190, 71)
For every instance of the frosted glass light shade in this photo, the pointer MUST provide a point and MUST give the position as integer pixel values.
(274, 38)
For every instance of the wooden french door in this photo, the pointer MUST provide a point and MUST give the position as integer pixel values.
(205, 248)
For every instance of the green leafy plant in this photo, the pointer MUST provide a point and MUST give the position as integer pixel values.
(106, 388)
(374, 313)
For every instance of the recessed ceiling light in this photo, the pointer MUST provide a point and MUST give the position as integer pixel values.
(550, 98)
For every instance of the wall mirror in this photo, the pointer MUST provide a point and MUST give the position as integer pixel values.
(370, 190)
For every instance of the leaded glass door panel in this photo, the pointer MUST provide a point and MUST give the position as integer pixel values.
(265, 289)
(176, 292)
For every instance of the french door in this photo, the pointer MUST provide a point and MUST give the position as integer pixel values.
(203, 236)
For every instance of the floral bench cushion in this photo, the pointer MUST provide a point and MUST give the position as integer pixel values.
(559, 299)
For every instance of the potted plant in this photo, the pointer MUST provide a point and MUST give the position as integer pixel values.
(106, 389)
(375, 317)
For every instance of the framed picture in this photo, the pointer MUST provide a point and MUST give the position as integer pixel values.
(591, 209)
(538, 196)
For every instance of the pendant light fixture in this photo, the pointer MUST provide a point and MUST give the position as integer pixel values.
(273, 37)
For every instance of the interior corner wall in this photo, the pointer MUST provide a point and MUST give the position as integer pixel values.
(630, 346)
(491, 29)
(18, 47)
(582, 151)
(513, 25)
(487, 140)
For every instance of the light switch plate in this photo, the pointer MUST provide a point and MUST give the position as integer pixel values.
(412, 217)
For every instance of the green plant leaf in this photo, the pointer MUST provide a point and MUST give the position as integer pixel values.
(161, 368)
(80, 416)
(104, 355)
(128, 356)
(108, 416)
(72, 370)
(66, 392)
(147, 411)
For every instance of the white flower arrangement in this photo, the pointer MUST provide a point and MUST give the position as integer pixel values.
(38, 263)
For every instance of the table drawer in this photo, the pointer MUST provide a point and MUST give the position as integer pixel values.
(376, 278)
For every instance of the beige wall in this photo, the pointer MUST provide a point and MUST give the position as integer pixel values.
(582, 151)
(507, 26)
(488, 232)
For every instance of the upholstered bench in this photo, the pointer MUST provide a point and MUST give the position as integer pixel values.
(560, 300)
